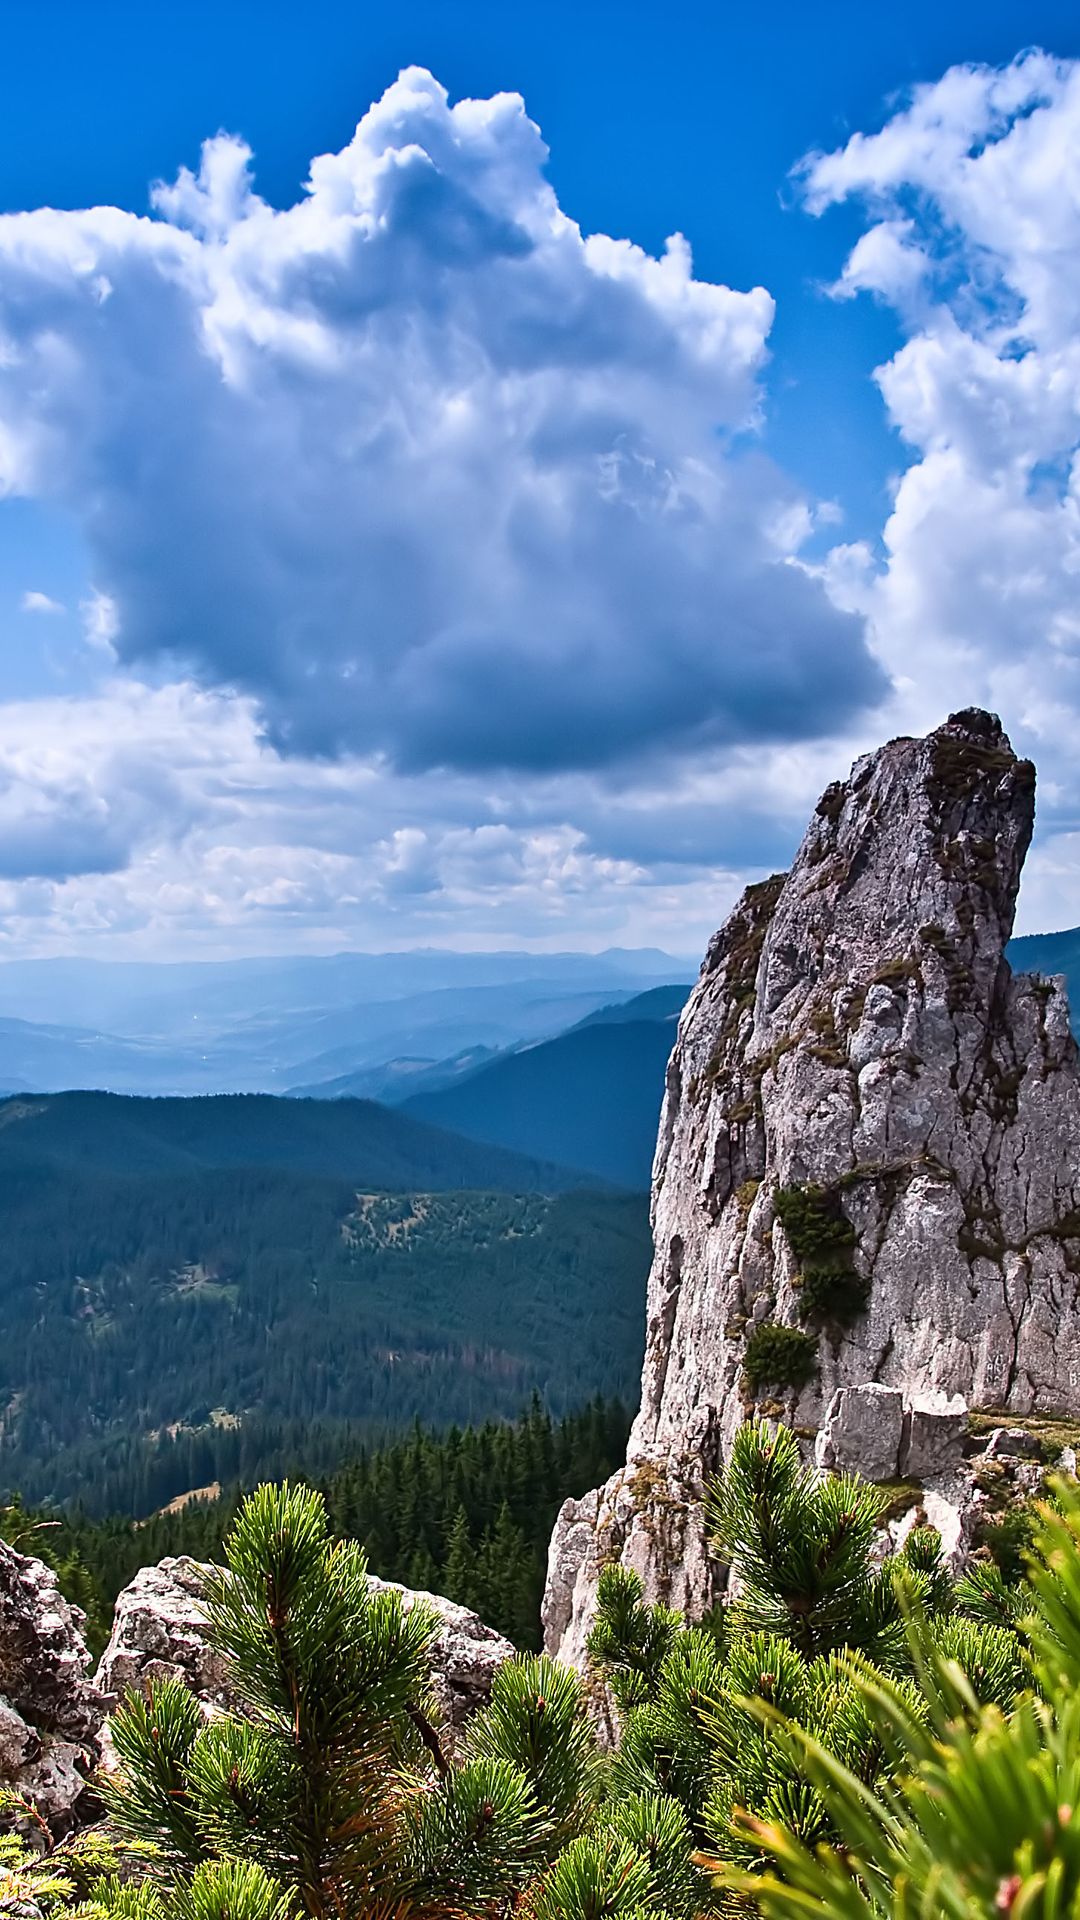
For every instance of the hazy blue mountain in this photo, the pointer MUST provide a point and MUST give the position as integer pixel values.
(269, 1025)
(373, 1148)
(593, 1093)
(659, 1003)
(393, 1081)
(160, 999)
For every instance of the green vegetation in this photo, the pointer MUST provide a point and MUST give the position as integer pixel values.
(822, 1238)
(779, 1356)
(467, 1514)
(232, 1324)
(873, 1742)
(372, 1147)
(331, 1790)
(977, 1816)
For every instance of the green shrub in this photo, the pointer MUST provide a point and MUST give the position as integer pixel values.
(779, 1356)
(822, 1239)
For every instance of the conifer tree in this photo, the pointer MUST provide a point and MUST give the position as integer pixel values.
(980, 1814)
(330, 1789)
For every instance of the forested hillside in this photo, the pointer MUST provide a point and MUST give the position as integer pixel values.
(193, 1301)
(592, 1095)
(368, 1145)
(465, 1513)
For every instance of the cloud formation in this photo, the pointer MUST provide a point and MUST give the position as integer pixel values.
(436, 595)
(972, 193)
(423, 468)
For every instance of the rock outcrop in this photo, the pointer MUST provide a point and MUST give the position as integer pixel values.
(868, 1167)
(159, 1632)
(50, 1714)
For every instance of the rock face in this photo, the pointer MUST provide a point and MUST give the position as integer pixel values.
(159, 1633)
(868, 1167)
(50, 1714)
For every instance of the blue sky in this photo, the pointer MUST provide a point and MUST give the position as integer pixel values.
(467, 586)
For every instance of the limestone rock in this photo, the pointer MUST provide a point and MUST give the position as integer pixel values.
(862, 1432)
(159, 1632)
(935, 1427)
(465, 1657)
(50, 1714)
(870, 1136)
(650, 1517)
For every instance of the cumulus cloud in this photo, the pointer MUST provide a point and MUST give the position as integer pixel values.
(34, 602)
(417, 463)
(972, 195)
(155, 819)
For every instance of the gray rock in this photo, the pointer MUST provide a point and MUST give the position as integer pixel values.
(863, 1431)
(50, 1713)
(159, 1632)
(649, 1516)
(856, 1027)
(1013, 1443)
(465, 1657)
(935, 1429)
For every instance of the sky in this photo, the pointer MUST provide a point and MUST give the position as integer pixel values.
(470, 476)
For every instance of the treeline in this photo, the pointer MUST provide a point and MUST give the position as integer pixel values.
(467, 1513)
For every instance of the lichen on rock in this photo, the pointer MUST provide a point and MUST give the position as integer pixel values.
(870, 1135)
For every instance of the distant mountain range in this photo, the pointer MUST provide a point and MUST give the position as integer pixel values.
(271, 1025)
(559, 1058)
(593, 1093)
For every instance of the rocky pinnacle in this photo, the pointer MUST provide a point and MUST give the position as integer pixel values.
(868, 1166)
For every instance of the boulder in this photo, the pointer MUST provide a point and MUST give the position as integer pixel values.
(935, 1428)
(862, 1432)
(159, 1632)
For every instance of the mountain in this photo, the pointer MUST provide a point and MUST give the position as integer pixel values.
(254, 1313)
(373, 1147)
(267, 1025)
(593, 1093)
(396, 1080)
(658, 1003)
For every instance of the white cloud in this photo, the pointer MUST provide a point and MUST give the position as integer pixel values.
(415, 462)
(101, 621)
(34, 602)
(973, 195)
(496, 639)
